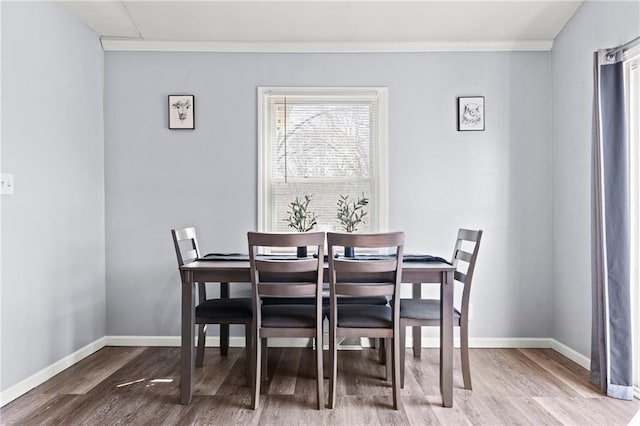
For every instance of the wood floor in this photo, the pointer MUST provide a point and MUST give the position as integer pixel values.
(119, 385)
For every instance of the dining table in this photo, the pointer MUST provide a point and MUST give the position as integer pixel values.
(231, 271)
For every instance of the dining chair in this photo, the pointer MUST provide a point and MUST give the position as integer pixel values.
(288, 277)
(377, 274)
(426, 312)
(222, 311)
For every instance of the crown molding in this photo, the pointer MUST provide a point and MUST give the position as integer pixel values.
(137, 45)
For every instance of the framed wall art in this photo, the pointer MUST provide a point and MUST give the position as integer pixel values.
(470, 113)
(181, 112)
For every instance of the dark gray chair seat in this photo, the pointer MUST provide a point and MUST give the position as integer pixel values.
(289, 316)
(366, 300)
(221, 309)
(364, 316)
(424, 309)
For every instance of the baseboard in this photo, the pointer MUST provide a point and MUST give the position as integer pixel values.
(574, 356)
(427, 342)
(489, 342)
(20, 388)
(46, 373)
(212, 341)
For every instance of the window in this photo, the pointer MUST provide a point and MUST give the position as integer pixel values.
(632, 74)
(322, 142)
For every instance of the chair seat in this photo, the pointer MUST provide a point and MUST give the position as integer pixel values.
(364, 316)
(423, 309)
(225, 308)
(290, 301)
(368, 300)
(289, 316)
(364, 300)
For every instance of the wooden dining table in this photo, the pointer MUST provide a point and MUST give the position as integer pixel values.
(226, 272)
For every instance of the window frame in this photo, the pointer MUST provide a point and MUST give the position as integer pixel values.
(632, 87)
(265, 160)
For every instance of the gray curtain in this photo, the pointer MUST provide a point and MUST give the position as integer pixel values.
(611, 340)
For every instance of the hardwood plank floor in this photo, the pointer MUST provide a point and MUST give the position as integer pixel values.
(120, 385)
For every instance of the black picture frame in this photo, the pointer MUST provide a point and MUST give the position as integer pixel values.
(181, 112)
(471, 113)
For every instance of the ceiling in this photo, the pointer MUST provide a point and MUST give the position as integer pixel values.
(325, 25)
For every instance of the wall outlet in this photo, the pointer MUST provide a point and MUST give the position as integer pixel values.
(6, 184)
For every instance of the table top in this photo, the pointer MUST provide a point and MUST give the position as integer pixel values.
(239, 271)
(243, 264)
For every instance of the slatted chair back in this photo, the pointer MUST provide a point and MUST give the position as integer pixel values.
(369, 275)
(188, 252)
(286, 276)
(185, 234)
(464, 260)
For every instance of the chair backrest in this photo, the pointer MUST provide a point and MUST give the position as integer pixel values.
(193, 252)
(370, 275)
(466, 257)
(286, 276)
(189, 254)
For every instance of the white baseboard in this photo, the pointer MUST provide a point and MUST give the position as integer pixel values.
(489, 342)
(574, 356)
(212, 341)
(46, 373)
(144, 341)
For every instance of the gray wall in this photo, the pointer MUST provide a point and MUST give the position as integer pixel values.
(596, 25)
(53, 273)
(440, 179)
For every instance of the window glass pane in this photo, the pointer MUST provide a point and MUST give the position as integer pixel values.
(322, 140)
(324, 199)
(324, 145)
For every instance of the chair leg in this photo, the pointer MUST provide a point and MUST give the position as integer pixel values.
(417, 341)
(202, 340)
(464, 354)
(396, 373)
(382, 355)
(255, 369)
(333, 375)
(403, 350)
(224, 339)
(319, 369)
(247, 351)
(387, 359)
(265, 356)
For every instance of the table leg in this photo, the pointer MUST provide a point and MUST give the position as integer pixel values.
(224, 328)
(417, 330)
(187, 353)
(446, 339)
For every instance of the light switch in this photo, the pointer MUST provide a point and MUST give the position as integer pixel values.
(6, 184)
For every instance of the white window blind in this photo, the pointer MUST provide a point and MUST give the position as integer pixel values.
(323, 143)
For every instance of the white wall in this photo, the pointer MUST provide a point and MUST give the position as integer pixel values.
(52, 272)
(596, 25)
(440, 179)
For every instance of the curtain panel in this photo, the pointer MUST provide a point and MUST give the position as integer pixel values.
(611, 340)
